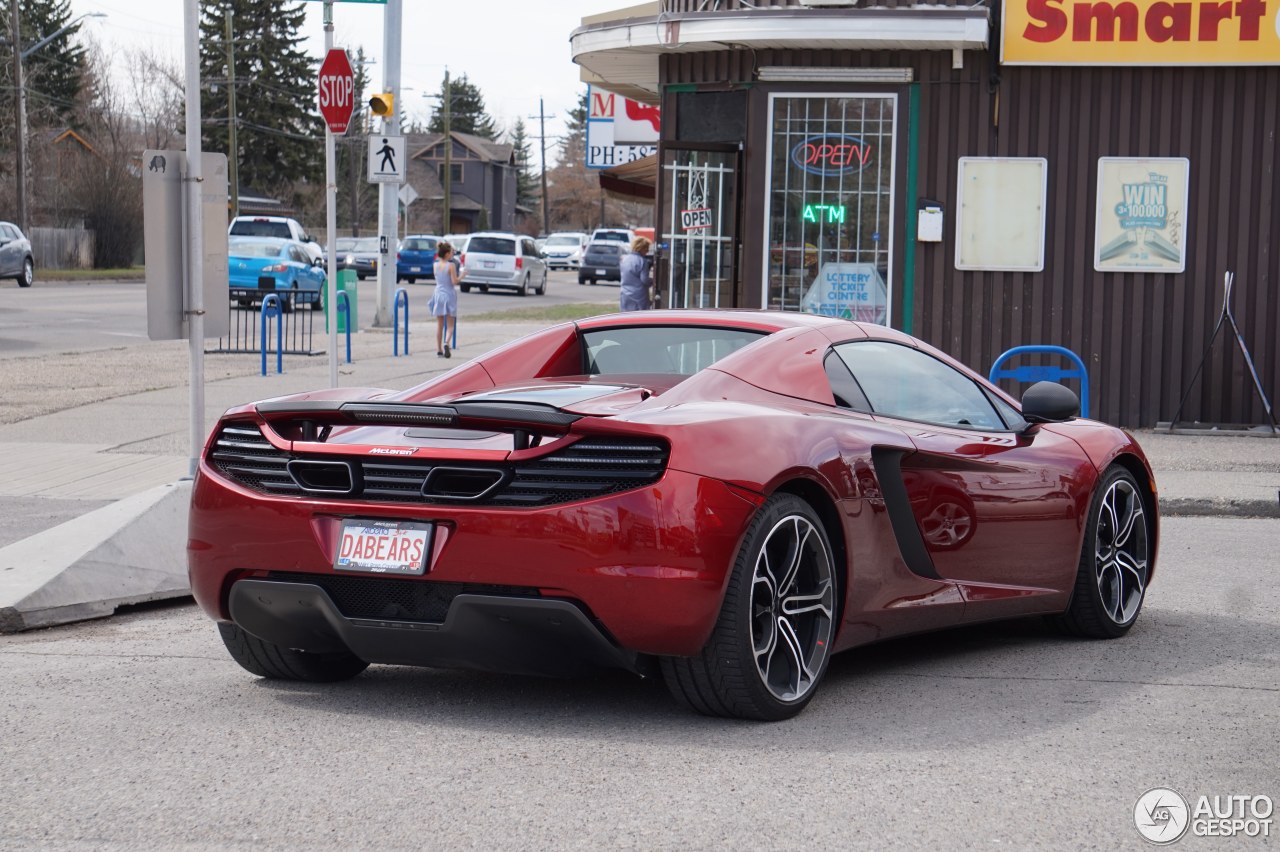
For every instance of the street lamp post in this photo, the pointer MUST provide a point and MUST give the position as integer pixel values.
(20, 102)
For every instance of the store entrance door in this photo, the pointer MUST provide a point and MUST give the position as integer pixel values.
(700, 192)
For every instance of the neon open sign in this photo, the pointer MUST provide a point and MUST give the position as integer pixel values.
(831, 154)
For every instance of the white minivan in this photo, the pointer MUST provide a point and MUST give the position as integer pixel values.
(500, 259)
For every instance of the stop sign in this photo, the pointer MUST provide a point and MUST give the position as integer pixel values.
(337, 90)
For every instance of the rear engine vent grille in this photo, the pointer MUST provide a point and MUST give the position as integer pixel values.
(395, 599)
(591, 467)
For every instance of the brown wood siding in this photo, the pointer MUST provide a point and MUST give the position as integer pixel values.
(1142, 335)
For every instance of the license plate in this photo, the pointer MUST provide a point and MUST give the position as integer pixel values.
(383, 547)
(415, 268)
(602, 272)
(490, 264)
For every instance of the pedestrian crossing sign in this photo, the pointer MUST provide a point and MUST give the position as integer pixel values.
(386, 159)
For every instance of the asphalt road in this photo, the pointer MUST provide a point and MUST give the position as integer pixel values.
(139, 732)
(62, 316)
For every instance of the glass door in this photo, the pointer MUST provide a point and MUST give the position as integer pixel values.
(700, 201)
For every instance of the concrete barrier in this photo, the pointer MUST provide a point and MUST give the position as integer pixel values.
(129, 552)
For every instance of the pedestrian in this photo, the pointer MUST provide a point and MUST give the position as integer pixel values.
(636, 268)
(444, 302)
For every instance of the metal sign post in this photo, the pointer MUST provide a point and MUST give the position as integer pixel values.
(336, 87)
(387, 202)
(195, 235)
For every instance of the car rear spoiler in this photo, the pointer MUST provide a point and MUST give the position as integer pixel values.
(503, 416)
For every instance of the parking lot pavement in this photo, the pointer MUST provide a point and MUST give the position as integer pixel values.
(139, 732)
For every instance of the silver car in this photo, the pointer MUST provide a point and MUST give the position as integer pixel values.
(564, 250)
(16, 260)
(496, 259)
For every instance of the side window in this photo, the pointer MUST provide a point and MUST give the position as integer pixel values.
(295, 254)
(843, 386)
(903, 382)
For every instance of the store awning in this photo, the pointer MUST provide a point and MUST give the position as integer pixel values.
(622, 53)
(636, 179)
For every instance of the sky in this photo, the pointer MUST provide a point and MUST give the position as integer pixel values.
(515, 51)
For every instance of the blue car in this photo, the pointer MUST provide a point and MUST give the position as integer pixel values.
(258, 266)
(416, 258)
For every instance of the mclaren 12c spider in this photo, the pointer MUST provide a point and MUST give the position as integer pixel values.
(724, 497)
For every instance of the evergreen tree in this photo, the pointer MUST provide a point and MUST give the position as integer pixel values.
(527, 183)
(55, 74)
(467, 113)
(280, 133)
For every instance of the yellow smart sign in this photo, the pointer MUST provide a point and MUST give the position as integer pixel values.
(1141, 32)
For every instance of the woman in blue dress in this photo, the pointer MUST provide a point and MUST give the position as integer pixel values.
(444, 302)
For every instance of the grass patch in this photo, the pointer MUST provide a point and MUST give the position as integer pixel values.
(132, 273)
(551, 313)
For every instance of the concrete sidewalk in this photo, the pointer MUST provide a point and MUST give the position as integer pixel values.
(81, 432)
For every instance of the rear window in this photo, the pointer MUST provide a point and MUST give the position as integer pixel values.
(680, 349)
(561, 241)
(618, 236)
(491, 245)
(261, 229)
(604, 249)
(418, 245)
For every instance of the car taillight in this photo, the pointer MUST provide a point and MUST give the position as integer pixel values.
(519, 263)
(462, 258)
(397, 255)
(275, 267)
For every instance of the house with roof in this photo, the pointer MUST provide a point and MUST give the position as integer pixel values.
(481, 181)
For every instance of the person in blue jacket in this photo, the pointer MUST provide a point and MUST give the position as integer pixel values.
(636, 268)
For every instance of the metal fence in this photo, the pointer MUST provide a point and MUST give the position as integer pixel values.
(245, 321)
(62, 248)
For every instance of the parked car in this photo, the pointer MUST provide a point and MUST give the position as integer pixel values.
(280, 227)
(258, 266)
(563, 250)
(593, 496)
(602, 262)
(498, 259)
(613, 235)
(360, 254)
(16, 259)
(416, 258)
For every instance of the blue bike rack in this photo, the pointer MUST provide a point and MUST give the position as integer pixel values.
(395, 322)
(271, 308)
(344, 308)
(1029, 373)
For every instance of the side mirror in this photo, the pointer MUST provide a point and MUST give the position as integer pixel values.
(1049, 402)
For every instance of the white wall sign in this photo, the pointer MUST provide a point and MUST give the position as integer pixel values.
(1000, 223)
(386, 159)
(608, 116)
(1141, 221)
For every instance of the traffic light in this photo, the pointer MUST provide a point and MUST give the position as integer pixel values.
(381, 104)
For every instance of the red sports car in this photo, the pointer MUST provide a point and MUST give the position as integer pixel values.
(725, 497)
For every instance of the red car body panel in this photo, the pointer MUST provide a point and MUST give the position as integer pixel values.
(1001, 514)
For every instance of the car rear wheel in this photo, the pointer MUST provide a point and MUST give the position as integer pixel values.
(772, 640)
(582, 281)
(524, 286)
(1115, 562)
(412, 280)
(542, 288)
(272, 661)
(289, 300)
(466, 288)
(28, 274)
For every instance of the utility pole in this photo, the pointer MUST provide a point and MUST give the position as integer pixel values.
(388, 199)
(20, 104)
(232, 120)
(446, 228)
(194, 229)
(542, 138)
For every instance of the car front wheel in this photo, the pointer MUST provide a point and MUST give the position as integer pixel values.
(265, 659)
(1115, 561)
(772, 640)
(28, 274)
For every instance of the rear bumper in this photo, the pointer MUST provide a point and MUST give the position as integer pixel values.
(489, 633)
(649, 566)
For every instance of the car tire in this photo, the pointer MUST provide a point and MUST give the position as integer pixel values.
(1115, 560)
(484, 288)
(288, 301)
(762, 661)
(524, 286)
(542, 288)
(27, 276)
(466, 288)
(412, 280)
(582, 281)
(265, 659)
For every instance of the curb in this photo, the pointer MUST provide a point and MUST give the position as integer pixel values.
(1220, 507)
